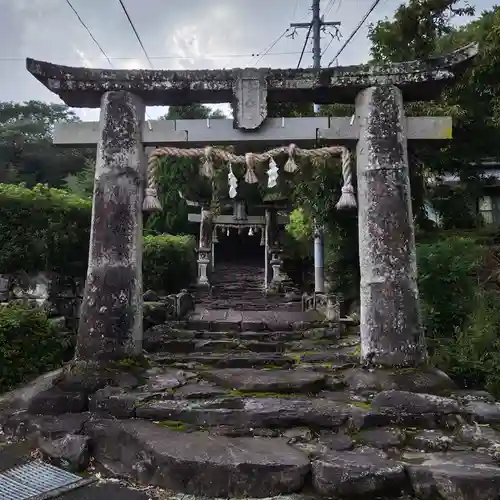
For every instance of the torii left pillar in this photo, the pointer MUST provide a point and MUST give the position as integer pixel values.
(110, 325)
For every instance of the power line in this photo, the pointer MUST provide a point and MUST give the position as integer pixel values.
(136, 33)
(304, 46)
(329, 7)
(213, 56)
(89, 32)
(353, 34)
(266, 51)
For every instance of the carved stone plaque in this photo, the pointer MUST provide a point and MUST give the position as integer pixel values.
(250, 94)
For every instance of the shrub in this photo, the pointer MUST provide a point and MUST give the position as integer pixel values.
(43, 229)
(169, 262)
(47, 229)
(29, 345)
(447, 285)
(462, 319)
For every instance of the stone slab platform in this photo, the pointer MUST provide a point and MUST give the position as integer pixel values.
(229, 319)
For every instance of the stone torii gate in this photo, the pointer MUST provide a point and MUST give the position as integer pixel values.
(111, 316)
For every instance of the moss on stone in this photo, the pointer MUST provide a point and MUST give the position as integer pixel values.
(256, 394)
(173, 425)
(360, 404)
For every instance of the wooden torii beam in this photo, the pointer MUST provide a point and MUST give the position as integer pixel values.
(111, 318)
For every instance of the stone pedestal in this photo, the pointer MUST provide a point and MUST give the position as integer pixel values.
(391, 332)
(110, 325)
(205, 248)
(203, 268)
(277, 277)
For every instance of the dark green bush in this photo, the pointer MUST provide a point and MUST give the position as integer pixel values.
(47, 229)
(169, 262)
(447, 285)
(29, 345)
(43, 229)
(462, 319)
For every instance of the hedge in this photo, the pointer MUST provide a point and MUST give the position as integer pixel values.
(169, 262)
(29, 345)
(48, 229)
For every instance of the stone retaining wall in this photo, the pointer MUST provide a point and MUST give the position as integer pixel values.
(61, 298)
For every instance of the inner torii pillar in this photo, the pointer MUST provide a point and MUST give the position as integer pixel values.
(390, 321)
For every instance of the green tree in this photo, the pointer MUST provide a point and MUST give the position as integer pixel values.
(26, 150)
(421, 29)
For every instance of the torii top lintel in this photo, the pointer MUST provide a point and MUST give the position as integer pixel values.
(251, 88)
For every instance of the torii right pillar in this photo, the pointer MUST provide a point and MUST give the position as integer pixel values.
(391, 328)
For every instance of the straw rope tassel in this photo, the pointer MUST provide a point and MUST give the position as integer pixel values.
(347, 199)
(290, 165)
(151, 202)
(250, 177)
(207, 169)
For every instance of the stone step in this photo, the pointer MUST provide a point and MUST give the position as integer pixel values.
(199, 463)
(304, 350)
(266, 381)
(229, 359)
(249, 413)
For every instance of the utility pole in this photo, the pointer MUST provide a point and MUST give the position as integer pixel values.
(315, 26)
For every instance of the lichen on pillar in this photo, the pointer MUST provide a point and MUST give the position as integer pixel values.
(110, 326)
(391, 330)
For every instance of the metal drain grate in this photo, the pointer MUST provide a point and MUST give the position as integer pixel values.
(37, 481)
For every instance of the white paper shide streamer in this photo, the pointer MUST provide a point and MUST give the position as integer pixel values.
(272, 174)
(232, 182)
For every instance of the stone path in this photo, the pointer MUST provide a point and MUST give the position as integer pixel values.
(226, 410)
(240, 287)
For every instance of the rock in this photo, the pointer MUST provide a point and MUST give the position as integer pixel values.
(412, 403)
(150, 296)
(252, 380)
(113, 401)
(484, 413)
(155, 313)
(55, 401)
(468, 458)
(229, 360)
(479, 435)
(382, 438)
(353, 474)
(169, 379)
(336, 442)
(250, 412)
(451, 481)
(430, 440)
(5, 281)
(215, 345)
(69, 452)
(198, 463)
(21, 398)
(429, 381)
(298, 434)
(467, 396)
(199, 391)
(185, 304)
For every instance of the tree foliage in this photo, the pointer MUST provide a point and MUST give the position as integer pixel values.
(26, 150)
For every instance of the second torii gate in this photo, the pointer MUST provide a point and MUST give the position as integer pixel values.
(111, 317)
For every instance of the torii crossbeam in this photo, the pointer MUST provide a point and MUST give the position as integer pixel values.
(111, 318)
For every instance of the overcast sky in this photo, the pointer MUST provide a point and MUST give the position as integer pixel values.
(177, 34)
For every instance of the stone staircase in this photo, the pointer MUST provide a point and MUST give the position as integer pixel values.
(267, 404)
(240, 286)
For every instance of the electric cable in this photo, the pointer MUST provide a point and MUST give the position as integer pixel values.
(353, 34)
